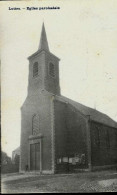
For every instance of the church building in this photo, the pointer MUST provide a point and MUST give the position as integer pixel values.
(57, 133)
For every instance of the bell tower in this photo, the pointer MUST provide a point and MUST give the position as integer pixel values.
(43, 69)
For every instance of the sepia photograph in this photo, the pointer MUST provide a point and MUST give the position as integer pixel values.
(58, 96)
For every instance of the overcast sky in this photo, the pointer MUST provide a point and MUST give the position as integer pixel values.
(82, 33)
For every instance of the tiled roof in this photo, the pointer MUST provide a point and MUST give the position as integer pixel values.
(95, 115)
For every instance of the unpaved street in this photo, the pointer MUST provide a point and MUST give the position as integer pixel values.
(105, 181)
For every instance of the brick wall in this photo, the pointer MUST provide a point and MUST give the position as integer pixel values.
(38, 104)
(36, 83)
(51, 83)
(70, 137)
(103, 144)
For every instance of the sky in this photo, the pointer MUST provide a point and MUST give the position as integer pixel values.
(83, 34)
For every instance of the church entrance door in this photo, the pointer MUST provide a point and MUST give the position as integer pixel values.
(35, 156)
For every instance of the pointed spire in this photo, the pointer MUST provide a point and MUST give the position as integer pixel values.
(43, 40)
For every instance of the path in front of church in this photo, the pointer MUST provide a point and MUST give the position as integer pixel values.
(104, 181)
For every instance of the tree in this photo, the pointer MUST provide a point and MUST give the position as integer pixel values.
(5, 160)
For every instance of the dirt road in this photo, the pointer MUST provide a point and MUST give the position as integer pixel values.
(105, 181)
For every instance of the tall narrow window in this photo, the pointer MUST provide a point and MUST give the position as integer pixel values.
(107, 139)
(51, 70)
(35, 69)
(35, 124)
(96, 136)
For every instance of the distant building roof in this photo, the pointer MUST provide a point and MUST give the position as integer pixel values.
(95, 115)
(17, 150)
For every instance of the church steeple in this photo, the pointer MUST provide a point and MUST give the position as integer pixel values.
(43, 40)
(43, 69)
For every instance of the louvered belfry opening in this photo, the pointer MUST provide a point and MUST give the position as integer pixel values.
(35, 69)
(51, 70)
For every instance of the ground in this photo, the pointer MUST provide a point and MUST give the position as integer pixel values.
(103, 181)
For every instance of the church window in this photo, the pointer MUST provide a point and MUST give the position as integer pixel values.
(107, 139)
(35, 124)
(51, 70)
(96, 136)
(35, 69)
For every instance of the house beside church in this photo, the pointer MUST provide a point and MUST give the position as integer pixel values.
(59, 134)
(15, 154)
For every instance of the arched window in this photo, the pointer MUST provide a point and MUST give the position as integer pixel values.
(35, 124)
(35, 69)
(51, 70)
(96, 136)
(107, 138)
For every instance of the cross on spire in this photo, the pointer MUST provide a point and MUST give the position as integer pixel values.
(43, 40)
